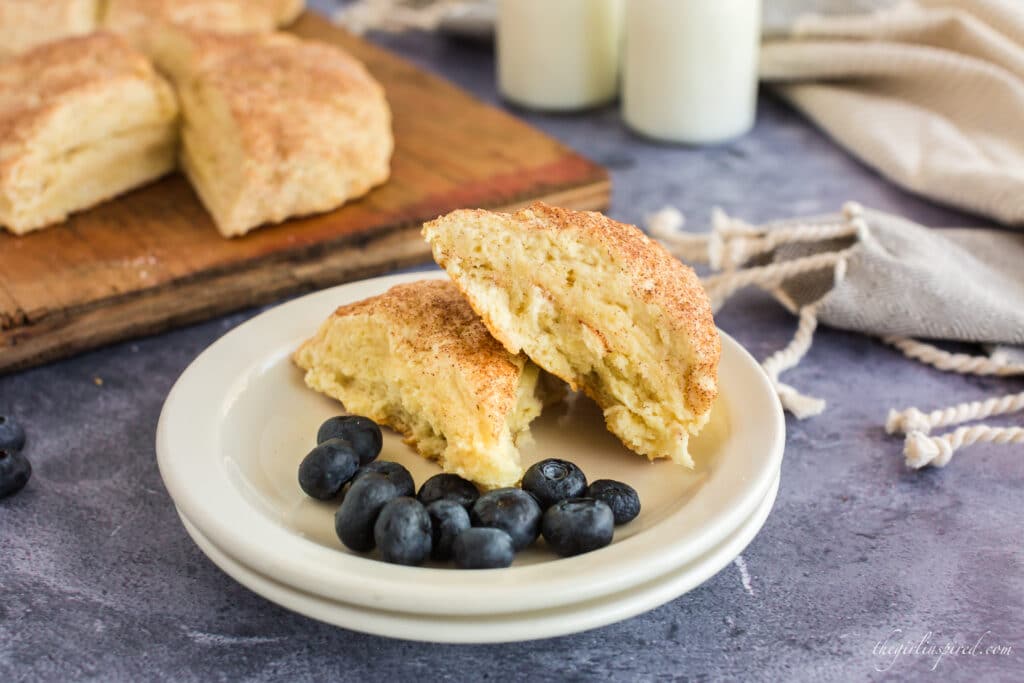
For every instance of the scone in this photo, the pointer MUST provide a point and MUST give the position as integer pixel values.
(24, 24)
(130, 17)
(417, 359)
(81, 120)
(274, 127)
(598, 304)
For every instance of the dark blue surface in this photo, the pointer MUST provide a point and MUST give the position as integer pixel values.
(98, 580)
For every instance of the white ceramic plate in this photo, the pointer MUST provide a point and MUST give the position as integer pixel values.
(506, 627)
(239, 420)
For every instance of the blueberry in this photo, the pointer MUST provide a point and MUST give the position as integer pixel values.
(578, 525)
(621, 498)
(12, 436)
(327, 468)
(551, 481)
(354, 520)
(14, 472)
(483, 548)
(403, 532)
(448, 487)
(396, 474)
(362, 432)
(511, 510)
(449, 519)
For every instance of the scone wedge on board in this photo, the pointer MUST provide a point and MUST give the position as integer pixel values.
(222, 16)
(418, 359)
(81, 120)
(598, 304)
(273, 126)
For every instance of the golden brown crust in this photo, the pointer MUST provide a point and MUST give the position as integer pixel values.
(225, 16)
(25, 24)
(274, 126)
(657, 278)
(268, 80)
(431, 318)
(50, 80)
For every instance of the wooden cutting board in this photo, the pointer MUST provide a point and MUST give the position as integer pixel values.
(152, 260)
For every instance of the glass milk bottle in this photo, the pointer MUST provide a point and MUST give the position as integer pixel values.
(559, 55)
(690, 68)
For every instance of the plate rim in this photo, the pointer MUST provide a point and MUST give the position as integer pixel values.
(499, 628)
(370, 583)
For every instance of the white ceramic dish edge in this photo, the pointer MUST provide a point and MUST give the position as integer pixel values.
(504, 628)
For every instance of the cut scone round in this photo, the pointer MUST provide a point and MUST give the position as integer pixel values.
(419, 360)
(600, 305)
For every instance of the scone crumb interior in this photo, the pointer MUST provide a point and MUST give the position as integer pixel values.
(420, 361)
(597, 304)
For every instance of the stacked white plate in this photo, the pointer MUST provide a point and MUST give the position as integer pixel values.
(239, 421)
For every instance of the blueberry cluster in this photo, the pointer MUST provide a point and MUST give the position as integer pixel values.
(15, 469)
(578, 518)
(448, 519)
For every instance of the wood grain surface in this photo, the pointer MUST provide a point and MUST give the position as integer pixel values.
(152, 259)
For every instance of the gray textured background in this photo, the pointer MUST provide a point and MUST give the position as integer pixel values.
(98, 580)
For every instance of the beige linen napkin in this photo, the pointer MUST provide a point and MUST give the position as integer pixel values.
(929, 92)
(882, 275)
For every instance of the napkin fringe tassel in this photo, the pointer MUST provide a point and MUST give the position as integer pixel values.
(732, 244)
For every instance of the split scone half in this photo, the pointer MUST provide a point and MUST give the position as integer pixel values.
(273, 126)
(418, 359)
(222, 16)
(81, 120)
(600, 305)
(24, 24)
